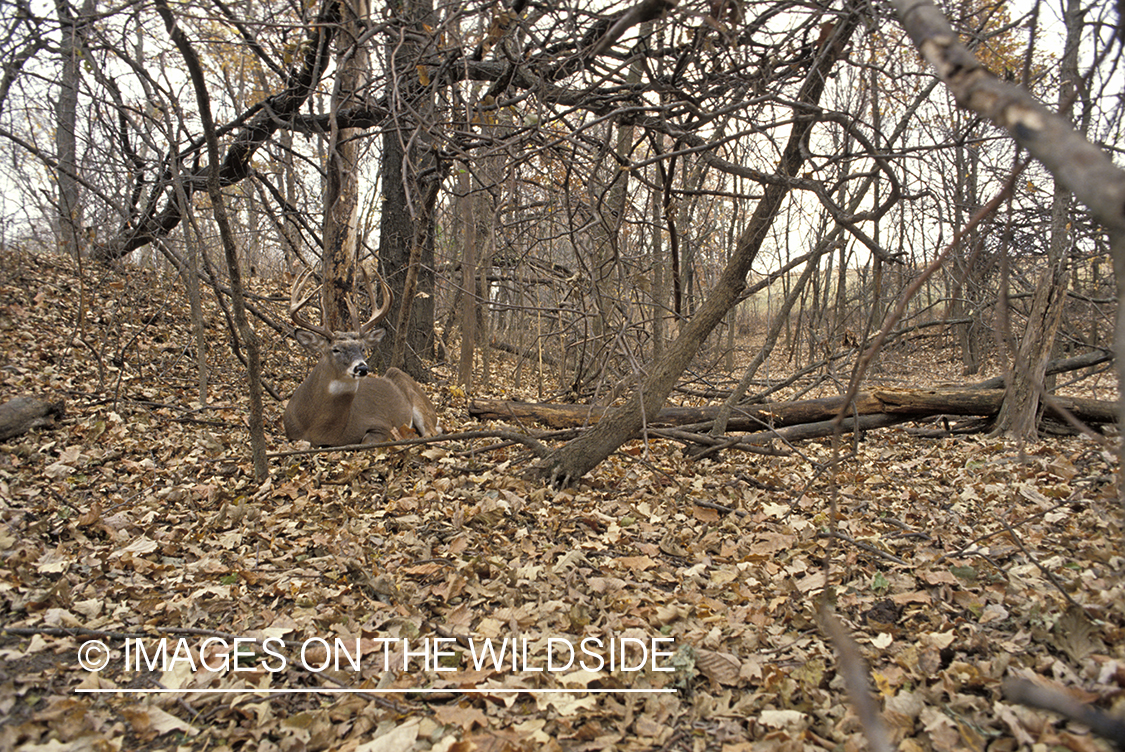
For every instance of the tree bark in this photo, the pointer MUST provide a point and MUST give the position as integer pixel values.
(70, 235)
(341, 193)
(573, 460)
(468, 292)
(417, 335)
(218, 206)
(21, 414)
(1019, 416)
(907, 403)
(409, 169)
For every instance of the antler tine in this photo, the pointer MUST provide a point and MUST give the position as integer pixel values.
(296, 304)
(388, 299)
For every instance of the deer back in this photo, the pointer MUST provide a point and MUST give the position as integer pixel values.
(424, 417)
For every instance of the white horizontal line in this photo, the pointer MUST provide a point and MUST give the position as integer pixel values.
(329, 690)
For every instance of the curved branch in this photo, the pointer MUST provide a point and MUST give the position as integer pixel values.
(269, 115)
(1077, 164)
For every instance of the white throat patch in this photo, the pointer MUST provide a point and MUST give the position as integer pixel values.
(343, 386)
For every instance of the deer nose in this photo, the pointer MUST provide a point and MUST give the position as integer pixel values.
(361, 370)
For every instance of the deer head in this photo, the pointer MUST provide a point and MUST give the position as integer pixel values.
(338, 403)
(344, 351)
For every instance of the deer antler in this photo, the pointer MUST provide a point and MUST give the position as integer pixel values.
(296, 304)
(378, 314)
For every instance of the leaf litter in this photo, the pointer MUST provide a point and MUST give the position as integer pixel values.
(954, 562)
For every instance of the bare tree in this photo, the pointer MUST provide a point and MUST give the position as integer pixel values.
(1019, 415)
(627, 168)
(575, 459)
(342, 171)
(218, 205)
(71, 232)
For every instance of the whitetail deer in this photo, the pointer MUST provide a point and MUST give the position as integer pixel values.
(338, 403)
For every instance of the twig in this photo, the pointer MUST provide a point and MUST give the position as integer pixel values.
(854, 672)
(714, 443)
(719, 507)
(965, 549)
(531, 443)
(1058, 701)
(1034, 560)
(861, 545)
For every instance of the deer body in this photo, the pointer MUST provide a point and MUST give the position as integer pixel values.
(338, 403)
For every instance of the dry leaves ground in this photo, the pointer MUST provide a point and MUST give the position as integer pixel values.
(136, 524)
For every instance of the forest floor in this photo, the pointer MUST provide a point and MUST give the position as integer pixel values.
(133, 535)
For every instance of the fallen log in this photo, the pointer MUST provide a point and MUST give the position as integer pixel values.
(742, 419)
(758, 441)
(1057, 366)
(986, 402)
(906, 403)
(825, 428)
(21, 414)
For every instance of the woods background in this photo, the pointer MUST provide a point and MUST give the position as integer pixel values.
(567, 184)
(724, 205)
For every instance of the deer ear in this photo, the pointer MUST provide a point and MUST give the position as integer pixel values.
(310, 340)
(374, 337)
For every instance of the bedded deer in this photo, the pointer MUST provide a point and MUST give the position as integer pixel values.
(339, 403)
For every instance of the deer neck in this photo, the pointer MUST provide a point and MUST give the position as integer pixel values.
(328, 404)
(341, 388)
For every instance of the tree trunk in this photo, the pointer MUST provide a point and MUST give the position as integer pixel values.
(70, 235)
(1019, 416)
(406, 232)
(966, 202)
(398, 230)
(198, 324)
(341, 190)
(660, 295)
(910, 403)
(573, 460)
(214, 190)
(421, 247)
(467, 293)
